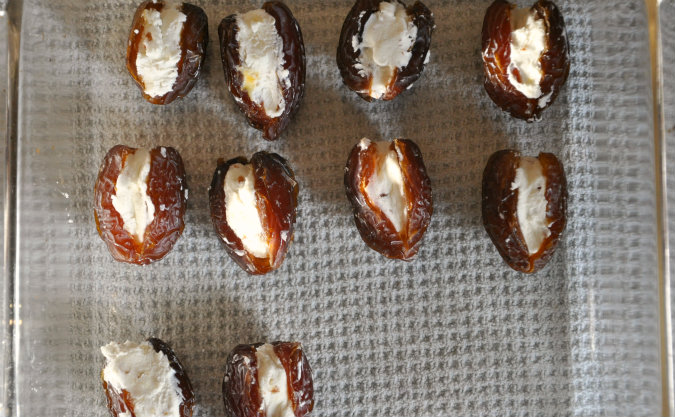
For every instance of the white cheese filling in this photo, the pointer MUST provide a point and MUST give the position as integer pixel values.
(241, 209)
(528, 41)
(131, 199)
(387, 41)
(385, 187)
(531, 207)
(273, 383)
(160, 51)
(146, 375)
(262, 61)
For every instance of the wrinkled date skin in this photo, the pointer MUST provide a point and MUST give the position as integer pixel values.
(241, 392)
(499, 209)
(121, 402)
(496, 46)
(348, 58)
(166, 187)
(194, 39)
(376, 230)
(277, 198)
(294, 61)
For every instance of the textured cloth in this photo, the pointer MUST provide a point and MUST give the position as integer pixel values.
(454, 332)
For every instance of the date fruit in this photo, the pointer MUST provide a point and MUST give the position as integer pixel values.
(166, 49)
(253, 208)
(140, 198)
(390, 193)
(270, 379)
(264, 62)
(525, 57)
(145, 380)
(384, 47)
(524, 207)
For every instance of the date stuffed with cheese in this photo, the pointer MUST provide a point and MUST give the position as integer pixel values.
(268, 379)
(140, 199)
(264, 62)
(384, 47)
(524, 207)
(146, 380)
(166, 49)
(390, 193)
(253, 209)
(525, 57)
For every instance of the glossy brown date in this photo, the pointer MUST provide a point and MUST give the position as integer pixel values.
(499, 209)
(294, 62)
(167, 189)
(120, 403)
(376, 228)
(348, 58)
(241, 386)
(496, 47)
(276, 193)
(194, 38)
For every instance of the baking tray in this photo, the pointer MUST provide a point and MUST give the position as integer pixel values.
(454, 332)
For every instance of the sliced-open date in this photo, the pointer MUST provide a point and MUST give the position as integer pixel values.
(390, 192)
(525, 56)
(140, 198)
(145, 380)
(384, 47)
(166, 49)
(253, 208)
(264, 62)
(268, 379)
(524, 207)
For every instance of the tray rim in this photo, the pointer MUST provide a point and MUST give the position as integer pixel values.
(661, 183)
(12, 12)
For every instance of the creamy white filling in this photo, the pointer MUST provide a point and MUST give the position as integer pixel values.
(146, 375)
(159, 51)
(528, 41)
(273, 383)
(544, 100)
(387, 41)
(241, 209)
(531, 207)
(385, 187)
(262, 61)
(131, 199)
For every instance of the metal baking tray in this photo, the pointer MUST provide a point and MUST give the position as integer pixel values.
(454, 332)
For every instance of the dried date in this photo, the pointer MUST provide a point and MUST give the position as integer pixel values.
(525, 57)
(137, 384)
(166, 49)
(253, 209)
(524, 207)
(384, 47)
(140, 199)
(263, 58)
(390, 193)
(252, 382)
